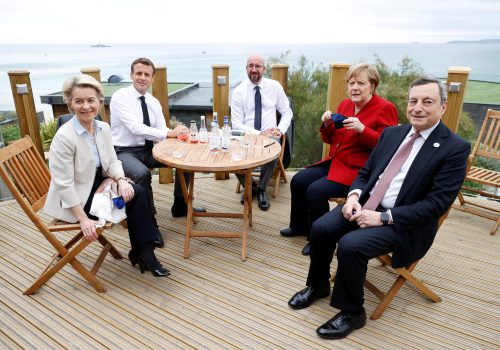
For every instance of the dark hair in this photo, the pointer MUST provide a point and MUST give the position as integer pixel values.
(144, 61)
(429, 79)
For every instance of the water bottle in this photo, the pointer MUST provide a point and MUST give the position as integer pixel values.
(203, 133)
(226, 135)
(214, 135)
(193, 132)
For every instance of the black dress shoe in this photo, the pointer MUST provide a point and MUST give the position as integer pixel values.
(341, 325)
(179, 210)
(307, 249)
(306, 296)
(291, 232)
(262, 200)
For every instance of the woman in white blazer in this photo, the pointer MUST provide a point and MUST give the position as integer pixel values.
(81, 157)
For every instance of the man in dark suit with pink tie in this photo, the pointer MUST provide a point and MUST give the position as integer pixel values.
(409, 181)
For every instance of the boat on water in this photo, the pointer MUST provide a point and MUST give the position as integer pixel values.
(100, 45)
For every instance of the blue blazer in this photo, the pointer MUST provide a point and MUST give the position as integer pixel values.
(433, 182)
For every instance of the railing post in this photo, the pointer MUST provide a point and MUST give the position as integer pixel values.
(220, 84)
(22, 93)
(280, 73)
(457, 83)
(160, 91)
(96, 74)
(337, 91)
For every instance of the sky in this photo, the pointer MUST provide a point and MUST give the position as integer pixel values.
(235, 21)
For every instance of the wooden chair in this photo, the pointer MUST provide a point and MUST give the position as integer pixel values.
(279, 173)
(403, 274)
(27, 176)
(488, 146)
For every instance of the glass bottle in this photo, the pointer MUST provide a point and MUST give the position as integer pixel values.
(226, 135)
(193, 132)
(203, 133)
(214, 135)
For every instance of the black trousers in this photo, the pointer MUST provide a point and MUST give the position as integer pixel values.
(356, 246)
(311, 191)
(141, 228)
(136, 162)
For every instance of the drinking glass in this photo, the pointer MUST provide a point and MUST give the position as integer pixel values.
(183, 135)
(246, 140)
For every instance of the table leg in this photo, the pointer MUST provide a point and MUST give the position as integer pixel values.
(188, 197)
(247, 212)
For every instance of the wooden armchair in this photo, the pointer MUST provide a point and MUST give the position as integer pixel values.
(27, 176)
(488, 146)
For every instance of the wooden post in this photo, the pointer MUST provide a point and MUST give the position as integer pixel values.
(220, 85)
(96, 74)
(280, 73)
(160, 91)
(457, 83)
(337, 91)
(22, 93)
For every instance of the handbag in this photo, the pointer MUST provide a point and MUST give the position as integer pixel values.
(103, 204)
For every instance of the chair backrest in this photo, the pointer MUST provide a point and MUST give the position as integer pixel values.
(488, 140)
(26, 175)
(63, 119)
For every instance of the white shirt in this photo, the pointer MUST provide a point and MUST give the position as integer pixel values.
(273, 99)
(127, 127)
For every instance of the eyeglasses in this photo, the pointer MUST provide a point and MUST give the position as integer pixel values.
(256, 66)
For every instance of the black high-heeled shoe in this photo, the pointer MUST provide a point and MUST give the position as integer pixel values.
(155, 268)
(133, 257)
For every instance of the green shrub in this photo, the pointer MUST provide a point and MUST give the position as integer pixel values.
(10, 133)
(47, 132)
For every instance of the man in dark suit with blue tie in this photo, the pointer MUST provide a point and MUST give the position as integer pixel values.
(409, 181)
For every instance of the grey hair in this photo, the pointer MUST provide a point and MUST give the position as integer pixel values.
(429, 79)
(81, 81)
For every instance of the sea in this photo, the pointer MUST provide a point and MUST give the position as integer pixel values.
(50, 65)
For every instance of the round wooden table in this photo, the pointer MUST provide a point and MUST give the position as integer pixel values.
(196, 157)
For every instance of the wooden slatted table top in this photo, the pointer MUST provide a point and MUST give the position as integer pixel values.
(197, 157)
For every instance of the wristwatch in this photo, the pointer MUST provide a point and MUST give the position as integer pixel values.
(384, 217)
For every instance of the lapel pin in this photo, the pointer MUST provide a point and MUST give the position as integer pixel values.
(436, 145)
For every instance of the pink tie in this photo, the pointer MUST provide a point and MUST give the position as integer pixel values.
(390, 172)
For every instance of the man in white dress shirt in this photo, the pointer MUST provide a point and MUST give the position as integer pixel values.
(253, 109)
(136, 122)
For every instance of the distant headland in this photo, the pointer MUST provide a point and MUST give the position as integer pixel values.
(483, 41)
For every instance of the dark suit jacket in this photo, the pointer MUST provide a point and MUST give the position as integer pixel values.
(431, 186)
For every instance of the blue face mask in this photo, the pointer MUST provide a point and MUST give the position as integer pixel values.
(337, 120)
(119, 202)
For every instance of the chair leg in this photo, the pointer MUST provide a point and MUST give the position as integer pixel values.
(68, 258)
(495, 228)
(112, 250)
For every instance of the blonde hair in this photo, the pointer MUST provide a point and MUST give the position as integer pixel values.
(371, 72)
(81, 81)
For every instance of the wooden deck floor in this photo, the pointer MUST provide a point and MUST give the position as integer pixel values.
(213, 300)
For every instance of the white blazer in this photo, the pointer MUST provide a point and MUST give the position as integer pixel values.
(72, 168)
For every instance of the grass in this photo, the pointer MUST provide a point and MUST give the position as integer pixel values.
(482, 92)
